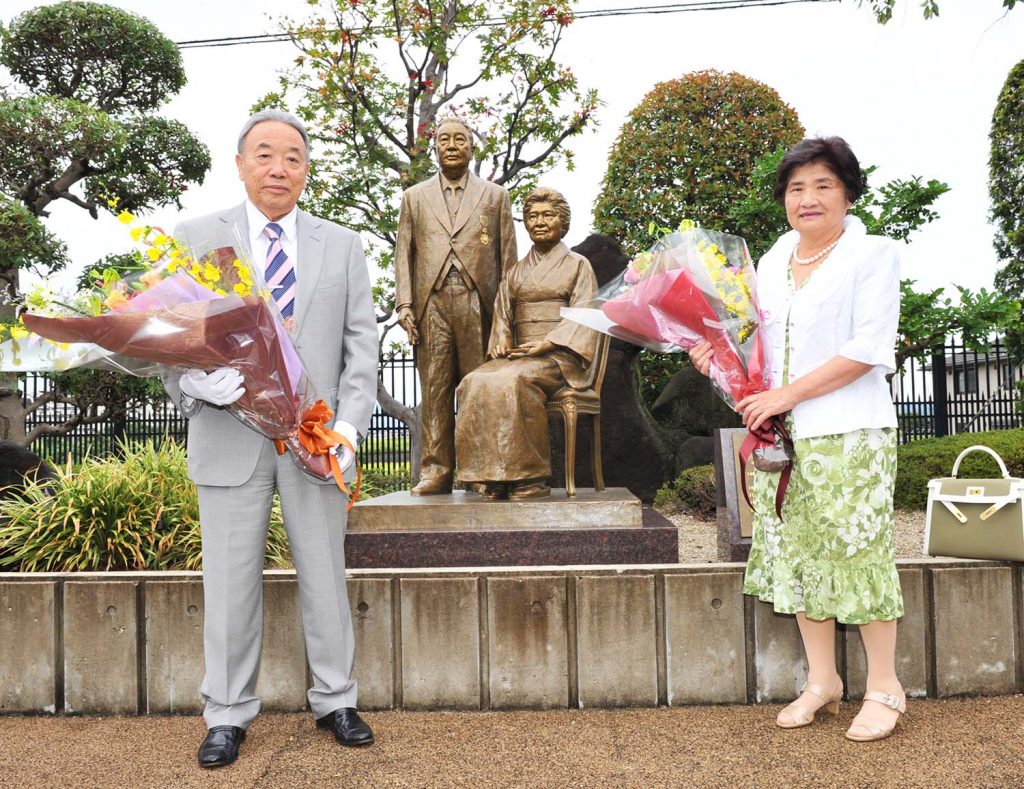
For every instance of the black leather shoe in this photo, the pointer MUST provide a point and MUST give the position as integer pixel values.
(220, 746)
(348, 727)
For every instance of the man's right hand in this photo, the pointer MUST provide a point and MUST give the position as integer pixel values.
(221, 387)
(407, 321)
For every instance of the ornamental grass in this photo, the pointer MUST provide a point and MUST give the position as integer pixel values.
(134, 511)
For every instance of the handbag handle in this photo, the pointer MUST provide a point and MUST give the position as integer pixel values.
(980, 448)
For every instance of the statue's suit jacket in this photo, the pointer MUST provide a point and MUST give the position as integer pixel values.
(481, 235)
(336, 338)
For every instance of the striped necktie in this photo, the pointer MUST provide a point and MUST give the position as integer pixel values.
(280, 271)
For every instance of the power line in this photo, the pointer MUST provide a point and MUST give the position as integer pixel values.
(665, 8)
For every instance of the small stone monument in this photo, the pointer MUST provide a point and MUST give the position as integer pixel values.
(735, 517)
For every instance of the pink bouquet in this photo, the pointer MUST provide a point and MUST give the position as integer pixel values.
(694, 285)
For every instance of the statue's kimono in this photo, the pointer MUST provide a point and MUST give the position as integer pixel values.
(501, 433)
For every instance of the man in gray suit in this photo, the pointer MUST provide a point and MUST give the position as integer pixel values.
(320, 281)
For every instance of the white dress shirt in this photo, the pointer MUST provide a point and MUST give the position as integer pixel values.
(260, 244)
(849, 306)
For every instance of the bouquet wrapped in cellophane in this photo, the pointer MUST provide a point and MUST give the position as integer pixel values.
(691, 285)
(180, 312)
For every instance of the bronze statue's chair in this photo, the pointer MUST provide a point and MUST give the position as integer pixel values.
(569, 403)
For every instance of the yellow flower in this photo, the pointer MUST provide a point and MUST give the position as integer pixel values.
(19, 332)
(161, 239)
(220, 291)
(115, 301)
(150, 278)
(211, 273)
(126, 217)
(172, 266)
(153, 254)
(241, 289)
(137, 233)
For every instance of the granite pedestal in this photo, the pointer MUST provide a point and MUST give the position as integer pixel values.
(462, 530)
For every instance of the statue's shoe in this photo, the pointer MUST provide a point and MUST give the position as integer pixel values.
(431, 487)
(493, 491)
(529, 490)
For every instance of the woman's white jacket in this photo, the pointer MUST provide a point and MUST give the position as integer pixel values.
(849, 306)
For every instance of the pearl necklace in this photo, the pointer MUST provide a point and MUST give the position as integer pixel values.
(813, 258)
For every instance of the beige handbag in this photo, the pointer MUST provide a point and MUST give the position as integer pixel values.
(976, 518)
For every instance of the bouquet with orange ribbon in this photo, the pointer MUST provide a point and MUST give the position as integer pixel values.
(205, 313)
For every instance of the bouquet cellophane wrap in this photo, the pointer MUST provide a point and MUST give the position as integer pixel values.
(690, 286)
(180, 324)
(976, 518)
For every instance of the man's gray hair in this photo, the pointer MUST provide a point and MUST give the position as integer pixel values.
(446, 119)
(274, 115)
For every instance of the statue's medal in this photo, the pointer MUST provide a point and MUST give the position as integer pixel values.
(485, 239)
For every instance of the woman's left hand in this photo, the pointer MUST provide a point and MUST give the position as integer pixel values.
(759, 407)
(535, 348)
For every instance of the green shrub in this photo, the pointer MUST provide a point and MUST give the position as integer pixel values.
(134, 512)
(928, 458)
(692, 492)
(377, 482)
(687, 151)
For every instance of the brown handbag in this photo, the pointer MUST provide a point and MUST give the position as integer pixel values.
(976, 518)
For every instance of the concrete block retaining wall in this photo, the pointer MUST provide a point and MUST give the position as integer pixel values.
(496, 638)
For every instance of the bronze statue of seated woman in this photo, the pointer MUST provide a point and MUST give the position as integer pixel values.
(502, 442)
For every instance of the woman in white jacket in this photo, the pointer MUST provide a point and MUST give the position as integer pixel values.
(830, 298)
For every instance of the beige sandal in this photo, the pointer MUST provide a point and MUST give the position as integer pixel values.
(801, 716)
(890, 700)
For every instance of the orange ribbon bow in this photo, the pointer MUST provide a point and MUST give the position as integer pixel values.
(317, 439)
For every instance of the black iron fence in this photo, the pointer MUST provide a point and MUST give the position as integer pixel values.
(385, 449)
(957, 391)
(156, 422)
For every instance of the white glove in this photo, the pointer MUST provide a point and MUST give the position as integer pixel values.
(221, 387)
(344, 454)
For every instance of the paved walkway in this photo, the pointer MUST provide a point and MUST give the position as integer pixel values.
(962, 743)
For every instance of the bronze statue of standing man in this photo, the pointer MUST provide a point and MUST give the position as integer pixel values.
(455, 238)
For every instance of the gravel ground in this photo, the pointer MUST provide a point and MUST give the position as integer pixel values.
(951, 742)
(698, 540)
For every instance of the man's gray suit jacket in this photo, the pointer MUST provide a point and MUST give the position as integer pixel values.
(336, 337)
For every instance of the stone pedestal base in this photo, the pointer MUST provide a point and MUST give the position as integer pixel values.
(462, 530)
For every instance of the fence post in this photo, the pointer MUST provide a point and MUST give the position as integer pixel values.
(939, 394)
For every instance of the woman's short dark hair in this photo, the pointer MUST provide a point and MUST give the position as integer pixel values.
(834, 153)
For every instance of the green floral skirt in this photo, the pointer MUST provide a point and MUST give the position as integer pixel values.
(832, 554)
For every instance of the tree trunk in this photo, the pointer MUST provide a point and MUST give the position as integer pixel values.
(410, 417)
(12, 412)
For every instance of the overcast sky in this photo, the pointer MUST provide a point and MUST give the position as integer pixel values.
(914, 97)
